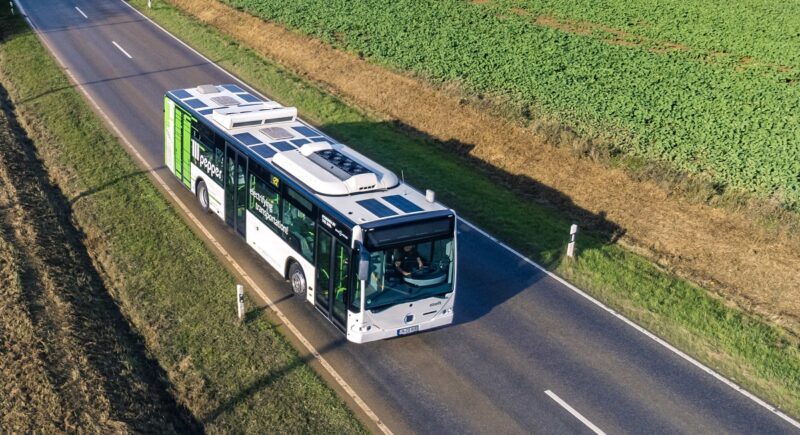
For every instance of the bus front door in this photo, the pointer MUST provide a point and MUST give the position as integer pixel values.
(235, 189)
(332, 278)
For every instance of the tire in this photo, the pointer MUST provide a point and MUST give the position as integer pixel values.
(202, 196)
(298, 279)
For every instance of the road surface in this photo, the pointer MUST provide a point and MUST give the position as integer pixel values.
(527, 354)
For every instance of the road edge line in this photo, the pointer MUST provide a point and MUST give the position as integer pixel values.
(641, 329)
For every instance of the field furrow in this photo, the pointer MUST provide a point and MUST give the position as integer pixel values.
(71, 361)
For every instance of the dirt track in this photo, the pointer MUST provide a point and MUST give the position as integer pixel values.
(69, 360)
(720, 249)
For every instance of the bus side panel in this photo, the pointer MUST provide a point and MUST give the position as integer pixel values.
(216, 194)
(169, 134)
(275, 251)
(182, 145)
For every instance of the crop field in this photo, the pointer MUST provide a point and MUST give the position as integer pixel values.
(700, 86)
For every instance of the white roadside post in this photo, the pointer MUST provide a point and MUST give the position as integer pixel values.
(240, 300)
(12, 7)
(149, 4)
(573, 230)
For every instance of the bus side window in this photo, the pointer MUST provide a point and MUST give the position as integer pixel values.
(355, 285)
(264, 199)
(298, 216)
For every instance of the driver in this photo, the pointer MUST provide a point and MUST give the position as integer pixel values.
(405, 258)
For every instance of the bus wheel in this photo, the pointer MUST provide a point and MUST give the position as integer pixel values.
(202, 195)
(298, 279)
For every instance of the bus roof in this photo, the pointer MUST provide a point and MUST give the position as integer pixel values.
(355, 186)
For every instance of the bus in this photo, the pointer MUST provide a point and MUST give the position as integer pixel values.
(376, 257)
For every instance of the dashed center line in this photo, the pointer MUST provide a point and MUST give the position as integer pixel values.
(122, 50)
(575, 413)
(81, 12)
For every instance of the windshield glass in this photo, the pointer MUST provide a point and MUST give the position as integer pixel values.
(410, 272)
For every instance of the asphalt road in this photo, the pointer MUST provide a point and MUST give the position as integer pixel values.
(519, 333)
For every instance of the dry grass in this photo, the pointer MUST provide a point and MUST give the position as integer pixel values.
(70, 361)
(726, 250)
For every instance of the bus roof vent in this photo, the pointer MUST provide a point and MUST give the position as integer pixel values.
(338, 164)
(277, 133)
(207, 89)
(225, 101)
(254, 114)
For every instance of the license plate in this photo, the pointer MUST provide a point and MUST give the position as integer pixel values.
(409, 330)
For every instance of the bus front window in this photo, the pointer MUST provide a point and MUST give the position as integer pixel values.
(410, 272)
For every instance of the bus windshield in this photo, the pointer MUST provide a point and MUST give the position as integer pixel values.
(412, 271)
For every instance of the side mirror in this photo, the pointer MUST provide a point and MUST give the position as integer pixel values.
(363, 265)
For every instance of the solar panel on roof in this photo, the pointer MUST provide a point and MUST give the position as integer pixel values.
(225, 100)
(233, 88)
(283, 146)
(300, 142)
(247, 138)
(194, 103)
(402, 204)
(249, 98)
(205, 111)
(180, 93)
(338, 164)
(305, 131)
(376, 208)
(276, 133)
(263, 151)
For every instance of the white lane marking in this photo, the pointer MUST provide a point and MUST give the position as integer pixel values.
(122, 49)
(575, 413)
(630, 323)
(698, 364)
(282, 317)
(81, 12)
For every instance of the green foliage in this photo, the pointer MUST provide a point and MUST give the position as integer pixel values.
(698, 106)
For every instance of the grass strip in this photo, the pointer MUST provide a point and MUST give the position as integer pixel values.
(232, 379)
(745, 348)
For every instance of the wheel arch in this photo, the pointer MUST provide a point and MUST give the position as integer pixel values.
(197, 182)
(289, 261)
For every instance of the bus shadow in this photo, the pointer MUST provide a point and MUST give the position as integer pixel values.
(106, 185)
(489, 274)
(263, 383)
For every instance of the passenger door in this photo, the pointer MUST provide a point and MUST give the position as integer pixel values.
(235, 189)
(333, 272)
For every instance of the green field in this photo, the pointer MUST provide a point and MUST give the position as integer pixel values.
(702, 87)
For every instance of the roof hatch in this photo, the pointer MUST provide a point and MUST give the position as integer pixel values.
(329, 170)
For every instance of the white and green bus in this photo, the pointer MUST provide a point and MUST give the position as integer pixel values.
(375, 256)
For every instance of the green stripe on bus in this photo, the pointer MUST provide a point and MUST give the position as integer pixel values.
(177, 143)
(187, 150)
